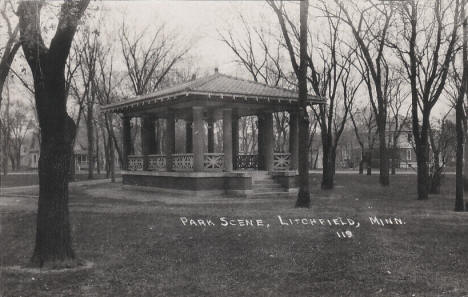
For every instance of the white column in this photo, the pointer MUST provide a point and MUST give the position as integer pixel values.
(268, 141)
(227, 138)
(198, 137)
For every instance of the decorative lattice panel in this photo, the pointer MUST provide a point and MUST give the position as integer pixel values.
(182, 161)
(213, 161)
(156, 162)
(247, 161)
(281, 161)
(135, 163)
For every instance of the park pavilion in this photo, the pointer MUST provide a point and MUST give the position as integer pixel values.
(200, 169)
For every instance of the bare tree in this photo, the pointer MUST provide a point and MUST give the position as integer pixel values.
(369, 25)
(12, 45)
(399, 115)
(87, 48)
(425, 45)
(5, 130)
(19, 126)
(363, 120)
(461, 117)
(106, 81)
(261, 58)
(148, 63)
(148, 60)
(300, 70)
(332, 77)
(442, 137)
(53, 239)
(456, 90)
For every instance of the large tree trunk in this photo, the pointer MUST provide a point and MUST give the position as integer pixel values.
(460, 117)
(111, 159)
(395, 157)
(465, 164)
(327, 170)
(98, 152)
(436, 175)
(53, 239)
(423, 171)
(384, 178)
(303, 197)
(18, 158)
(90, 134)
(369, 162)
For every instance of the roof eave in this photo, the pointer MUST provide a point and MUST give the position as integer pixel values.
(140, 101)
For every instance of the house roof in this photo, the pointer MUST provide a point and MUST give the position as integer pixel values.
(218, 84)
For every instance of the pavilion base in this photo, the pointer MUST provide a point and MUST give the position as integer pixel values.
(287, 179)
(192, 183)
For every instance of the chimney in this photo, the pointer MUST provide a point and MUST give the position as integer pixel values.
(194, 76)
(216, 70)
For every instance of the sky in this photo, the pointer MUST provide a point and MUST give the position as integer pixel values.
(197, 21)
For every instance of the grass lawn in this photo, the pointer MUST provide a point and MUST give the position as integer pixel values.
(141, 248)
(29, 179)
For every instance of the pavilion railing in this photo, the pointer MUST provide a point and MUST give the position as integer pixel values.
(281, 161)
(157, 162)
(135, 163)
(182, 162)
(247, 161)
(213, 161)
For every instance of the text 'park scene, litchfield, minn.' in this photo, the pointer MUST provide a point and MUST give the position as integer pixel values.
(234, 148)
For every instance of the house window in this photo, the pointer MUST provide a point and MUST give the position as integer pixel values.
(408, 155)
(410, 137)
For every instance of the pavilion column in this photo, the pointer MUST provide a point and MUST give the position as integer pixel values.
(210, 134)
(235, 138)
(159, 135)
(227, 138)
(260, 142)
(127, 148)
(170, 139)
(198, 138)
(268, 141)
(148, 135)
(148, 138)
(188, 137)
(293, 140)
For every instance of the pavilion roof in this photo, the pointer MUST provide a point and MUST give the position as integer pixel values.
(217, 84)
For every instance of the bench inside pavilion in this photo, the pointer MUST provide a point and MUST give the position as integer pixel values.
(212, 98)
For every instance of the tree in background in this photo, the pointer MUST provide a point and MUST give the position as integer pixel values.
(399, 115)
(258, 51)
(461, 116)
(83, 85)
(332, 77)
(363, 120)
(369, 26)
(425, 43)
(12, 45)
(443, 140)
(53, 239)
(148, 61)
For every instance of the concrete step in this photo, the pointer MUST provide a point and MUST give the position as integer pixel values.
(272, 191)
(270, 195)
(267, 187)
(264, 182)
